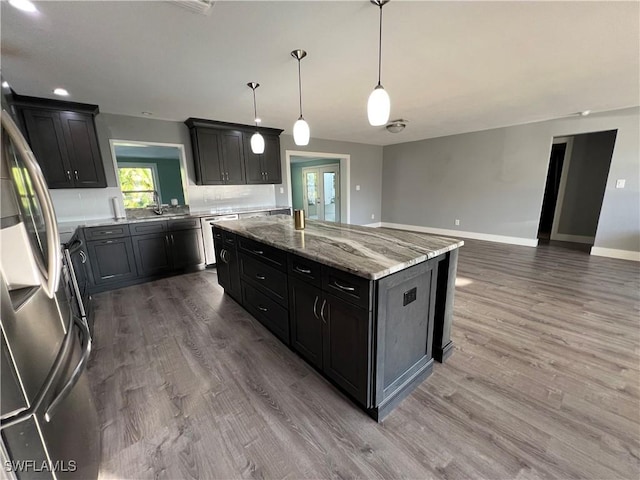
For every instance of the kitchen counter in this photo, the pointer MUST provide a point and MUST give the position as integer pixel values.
(371, 253)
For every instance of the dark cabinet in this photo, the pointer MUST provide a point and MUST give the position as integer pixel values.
(227, 265)
(152, 253)
(304, 318)
(112, 260)
(63, 138)
(265, 167)
(187, 248)
(222, 154)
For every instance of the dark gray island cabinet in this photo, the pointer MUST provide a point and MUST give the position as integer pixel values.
(369, 308)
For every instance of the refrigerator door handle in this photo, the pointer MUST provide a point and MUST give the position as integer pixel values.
(61, 358)
(75, 375)
(40, 186)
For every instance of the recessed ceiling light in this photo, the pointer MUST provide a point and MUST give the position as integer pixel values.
(24, 5)
(148, 114)
(61, 91)
(5, 84)
(584, 113)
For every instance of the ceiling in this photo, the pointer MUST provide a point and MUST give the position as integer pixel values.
(449, 67)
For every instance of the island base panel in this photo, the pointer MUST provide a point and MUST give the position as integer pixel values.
(447, 269)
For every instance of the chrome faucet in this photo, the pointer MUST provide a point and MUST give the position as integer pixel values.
(156, 199)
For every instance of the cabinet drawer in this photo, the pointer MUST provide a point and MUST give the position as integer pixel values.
(266, 311)
(144, 228)
(351, 288)
(229, 238)
(111, 231)
(184, 223)
(267, 279)
(269, 255)
(306, 270)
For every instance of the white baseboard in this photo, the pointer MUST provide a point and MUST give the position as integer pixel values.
(527, 242)
(374, 225)
(615, 253)
(565, 237)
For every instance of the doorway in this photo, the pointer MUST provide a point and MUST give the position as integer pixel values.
(559, 150)
(321, 192)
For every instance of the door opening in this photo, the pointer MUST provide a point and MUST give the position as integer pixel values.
(321, 192)
(551, 190)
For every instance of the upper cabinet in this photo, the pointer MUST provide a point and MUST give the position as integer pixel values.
(63, 138)
(222, 154)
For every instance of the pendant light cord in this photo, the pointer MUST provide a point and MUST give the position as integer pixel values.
(380, 47)
(300, 87)
(255, 110)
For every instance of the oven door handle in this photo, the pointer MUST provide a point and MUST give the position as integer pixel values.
(52, 270)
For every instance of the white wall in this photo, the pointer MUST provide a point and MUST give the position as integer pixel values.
(493, 181)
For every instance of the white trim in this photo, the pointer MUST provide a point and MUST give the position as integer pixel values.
(563, 184)
(345, 178)
(527, 242)
(565, 237)
(615, 253)
(373, 225)
(183, 162)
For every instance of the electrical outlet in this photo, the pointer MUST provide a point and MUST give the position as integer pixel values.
(281, 190)
(357, 187)
(373, 216)
(457, 222)
(620, 183)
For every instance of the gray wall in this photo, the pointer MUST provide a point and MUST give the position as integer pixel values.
(586, 183)
(366, 171)
(493, 181)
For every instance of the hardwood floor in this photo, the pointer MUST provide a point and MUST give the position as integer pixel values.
(544, 382)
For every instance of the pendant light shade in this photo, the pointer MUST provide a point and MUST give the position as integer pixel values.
(301, 132)
(379, 104)
(257, 140)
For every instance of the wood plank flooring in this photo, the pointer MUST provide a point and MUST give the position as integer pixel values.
(544, 382)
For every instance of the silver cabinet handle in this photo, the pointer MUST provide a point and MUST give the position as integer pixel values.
(83, 256)
(173, 240)
(75, 375)
(69, 174)
(259, 276)
(263, 309)
(258, 252)
(324, 303)
(315, 304)
(76, 174)
(344, 287)
(50, 273)
(223, 256)
(302, 270)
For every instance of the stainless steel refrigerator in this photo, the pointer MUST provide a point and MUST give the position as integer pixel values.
(48, 421)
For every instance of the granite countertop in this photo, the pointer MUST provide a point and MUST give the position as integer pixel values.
(69, 226)
(367, 252)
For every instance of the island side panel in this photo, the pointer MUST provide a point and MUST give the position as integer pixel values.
(442, 344)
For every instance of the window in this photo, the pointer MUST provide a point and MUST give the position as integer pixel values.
(138, 184)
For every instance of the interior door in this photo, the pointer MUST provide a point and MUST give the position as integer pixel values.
(321, 192)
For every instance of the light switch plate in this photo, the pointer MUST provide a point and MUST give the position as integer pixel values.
(620, 183)
(357, 187)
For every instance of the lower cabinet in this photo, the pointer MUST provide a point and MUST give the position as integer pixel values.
(227, 267)
(187, 249)
(333, 335)
(112, 260)
(152, 253)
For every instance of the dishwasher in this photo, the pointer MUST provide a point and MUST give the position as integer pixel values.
(207, 232)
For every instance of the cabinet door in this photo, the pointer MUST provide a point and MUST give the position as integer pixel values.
(228, 269)
(346, 339)
(222, 267)
(82, 147)
(207, 153)
(112, 260)
(233, 157)
(152, 254)
(187, 248)
(252, 162)
(271, 159)
(304, 317)
(46, 139)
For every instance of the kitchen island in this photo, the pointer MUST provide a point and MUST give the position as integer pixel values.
(369, 308)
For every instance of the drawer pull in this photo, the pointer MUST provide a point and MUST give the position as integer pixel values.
(302, 270)
(343, 287)
(107, 233)
(263, 309)
(259, 276)
(315, 305)
(258, 252)
(324, 303)
(107, 276)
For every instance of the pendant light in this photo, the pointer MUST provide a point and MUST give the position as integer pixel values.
(379, 104)
(301, 131)
(257, 140)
